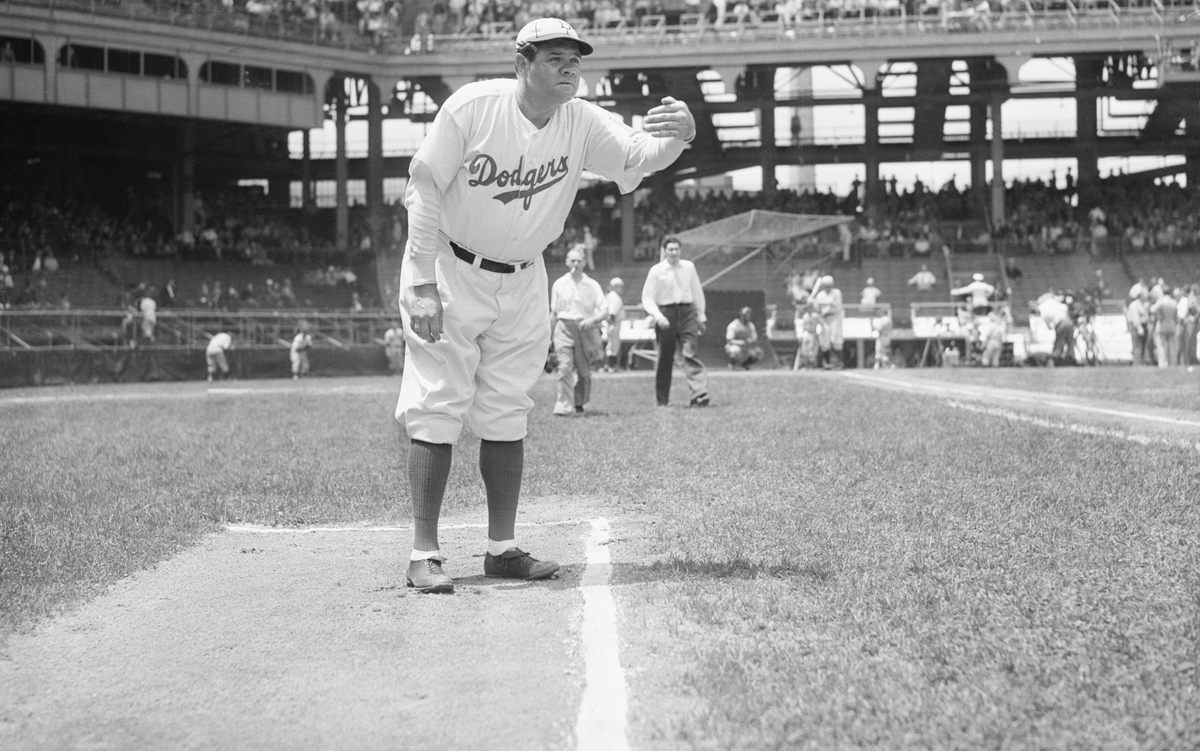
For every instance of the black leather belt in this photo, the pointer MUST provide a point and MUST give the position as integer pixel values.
(487, 264)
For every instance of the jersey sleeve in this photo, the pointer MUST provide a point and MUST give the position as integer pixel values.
(622, 154)
(442, 149)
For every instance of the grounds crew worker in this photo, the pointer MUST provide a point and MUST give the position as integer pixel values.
(490, 187)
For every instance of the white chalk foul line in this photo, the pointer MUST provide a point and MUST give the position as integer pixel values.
(262, 529)
(1074, 427)
(605, 707)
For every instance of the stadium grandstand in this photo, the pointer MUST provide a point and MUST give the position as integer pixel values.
(164, 149)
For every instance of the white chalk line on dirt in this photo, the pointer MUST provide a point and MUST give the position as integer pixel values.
(1073, 427)
(262, 529)
(604, 710)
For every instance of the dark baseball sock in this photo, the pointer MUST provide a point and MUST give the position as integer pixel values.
(501, 463)
(428, 469)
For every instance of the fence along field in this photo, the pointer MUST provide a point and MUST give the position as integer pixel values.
(813, 564)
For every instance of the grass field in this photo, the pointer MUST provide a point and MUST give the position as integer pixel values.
(815, 564)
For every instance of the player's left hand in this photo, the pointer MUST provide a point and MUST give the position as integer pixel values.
(671, 119)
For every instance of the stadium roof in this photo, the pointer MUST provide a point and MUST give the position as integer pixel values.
(758, 227)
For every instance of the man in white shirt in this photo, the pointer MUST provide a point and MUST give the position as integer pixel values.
(672, 295)
(923, 280)
(576, 310)
(870, 293)
(1056, 314)
(615, 302)
(214, 355)
(301, 343)
(149, 310)
(979, 295)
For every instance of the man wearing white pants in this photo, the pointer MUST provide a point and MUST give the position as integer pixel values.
(576, 309)
(490, 187)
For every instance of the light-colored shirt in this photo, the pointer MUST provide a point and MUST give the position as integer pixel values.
(574, 301)
(1053, 311)
(616, 306)
(924, 280)
(870, 295)
(980, 292)
(219, 343)
(501, 187)
(671, 285)
(301, 342)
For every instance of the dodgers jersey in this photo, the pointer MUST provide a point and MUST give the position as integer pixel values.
(508, 186)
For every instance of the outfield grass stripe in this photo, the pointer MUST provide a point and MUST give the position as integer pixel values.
(604, 710)
(1139, 438)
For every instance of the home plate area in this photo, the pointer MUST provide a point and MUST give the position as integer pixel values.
(263, 637)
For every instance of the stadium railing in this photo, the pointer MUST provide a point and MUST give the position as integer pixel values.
(25, 330)
(864, 21)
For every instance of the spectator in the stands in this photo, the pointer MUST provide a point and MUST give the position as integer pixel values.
(1012, 272)
(6, 287)
(924, 280)
(870, 293)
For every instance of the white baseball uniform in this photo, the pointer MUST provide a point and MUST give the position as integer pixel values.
(298, 353)
(504, 189)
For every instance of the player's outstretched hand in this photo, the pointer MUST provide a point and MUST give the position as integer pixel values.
(671, 119)
(425, 311)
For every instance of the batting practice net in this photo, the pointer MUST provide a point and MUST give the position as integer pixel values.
(752, 249)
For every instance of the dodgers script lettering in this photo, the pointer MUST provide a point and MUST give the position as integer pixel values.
(528, 182)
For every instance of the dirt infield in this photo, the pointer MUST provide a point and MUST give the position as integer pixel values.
(309, 639)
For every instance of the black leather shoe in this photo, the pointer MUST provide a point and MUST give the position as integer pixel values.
(427, 576)
(515, 563)
(700, 400)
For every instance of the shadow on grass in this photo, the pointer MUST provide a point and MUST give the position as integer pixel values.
(680, 569)
(674, 569)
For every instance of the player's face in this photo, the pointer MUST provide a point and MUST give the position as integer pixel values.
(554, 73)
(575, 262)
(671, 253)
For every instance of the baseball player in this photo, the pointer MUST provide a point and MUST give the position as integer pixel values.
(615, 304)
(301, 343)
(214, 355)
(489, 188)
(827, 300)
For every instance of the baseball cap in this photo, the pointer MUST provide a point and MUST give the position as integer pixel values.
(977, 277)
(545, 29)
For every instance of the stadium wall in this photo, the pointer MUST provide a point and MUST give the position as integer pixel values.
(80, 366)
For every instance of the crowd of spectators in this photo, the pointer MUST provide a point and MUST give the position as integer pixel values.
(414, 25)
(1123, 214)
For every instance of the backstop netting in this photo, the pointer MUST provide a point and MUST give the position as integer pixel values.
(752, 249)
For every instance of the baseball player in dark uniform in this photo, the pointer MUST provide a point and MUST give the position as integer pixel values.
(490, 187)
